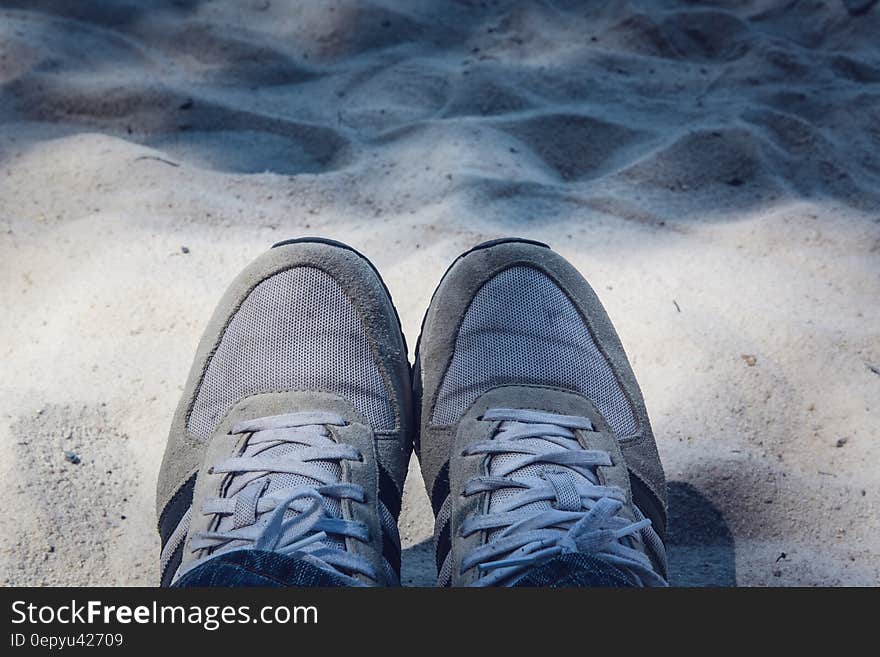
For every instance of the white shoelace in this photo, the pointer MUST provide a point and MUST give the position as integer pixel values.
(295, 519)
(576, 514)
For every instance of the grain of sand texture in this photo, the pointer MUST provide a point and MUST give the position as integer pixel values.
(712, 168)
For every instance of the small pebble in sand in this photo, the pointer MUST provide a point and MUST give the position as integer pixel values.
(71, 457)
(750, 359)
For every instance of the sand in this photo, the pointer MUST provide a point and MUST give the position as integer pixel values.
(712, 168)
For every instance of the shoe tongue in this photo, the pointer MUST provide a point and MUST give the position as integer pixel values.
(497, 463)
(281, 480)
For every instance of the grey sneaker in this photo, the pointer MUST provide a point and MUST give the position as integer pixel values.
(293, 433)
(535, 444)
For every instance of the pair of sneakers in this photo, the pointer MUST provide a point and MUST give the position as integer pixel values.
(301, 411)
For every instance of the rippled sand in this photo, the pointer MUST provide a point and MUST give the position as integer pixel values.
(712, 168)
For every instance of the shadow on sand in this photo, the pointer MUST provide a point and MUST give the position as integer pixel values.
(699, 543)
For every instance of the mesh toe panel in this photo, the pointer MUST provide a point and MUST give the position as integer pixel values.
(521, 329)
(295, 331)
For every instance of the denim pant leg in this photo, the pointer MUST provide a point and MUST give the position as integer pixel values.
(257, 568)
(575, 571)
(260, 568)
